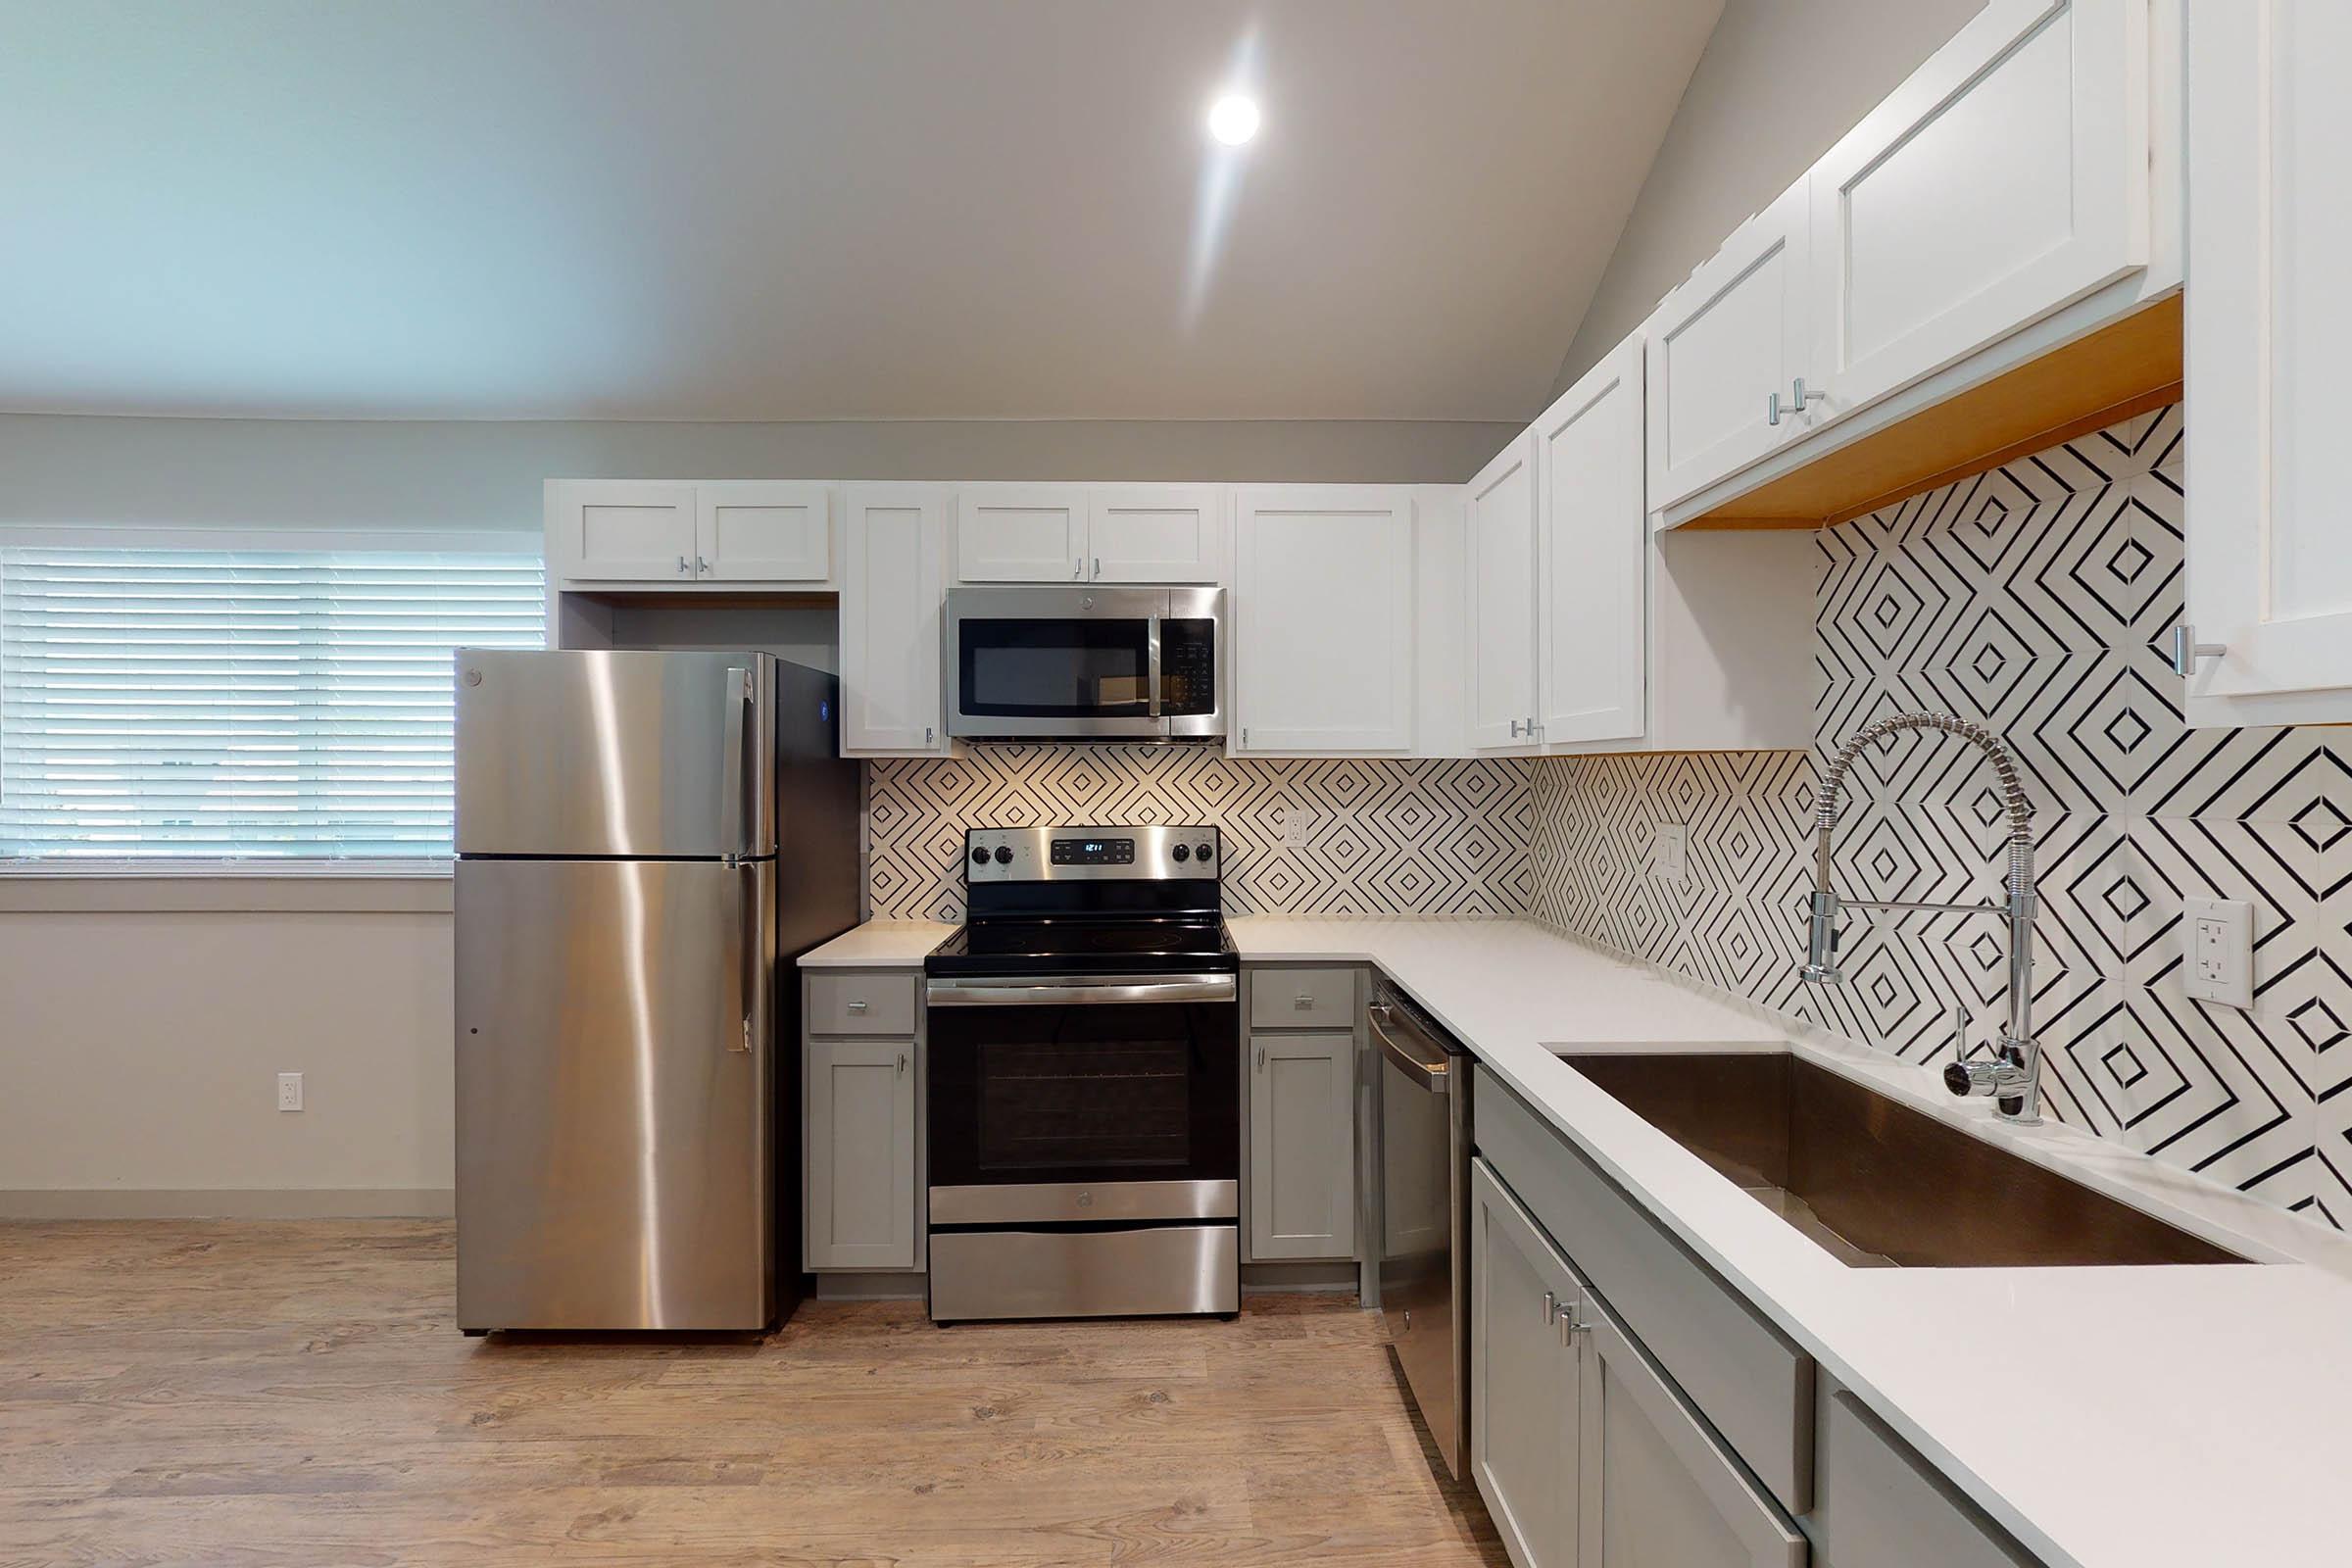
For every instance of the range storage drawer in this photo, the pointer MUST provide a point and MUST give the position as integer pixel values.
(1750, 1382)
(860, 1002)
(1302, 999)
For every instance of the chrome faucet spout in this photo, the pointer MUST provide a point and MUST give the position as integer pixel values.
(2014, 1077)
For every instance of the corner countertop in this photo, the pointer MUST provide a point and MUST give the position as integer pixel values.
(880, 945)
(2108, 1417)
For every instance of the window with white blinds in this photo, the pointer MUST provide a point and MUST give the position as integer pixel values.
(197, 704)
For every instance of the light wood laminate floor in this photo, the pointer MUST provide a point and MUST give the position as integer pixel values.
(293, 1393)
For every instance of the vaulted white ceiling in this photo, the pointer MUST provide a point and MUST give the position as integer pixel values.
(814, 209)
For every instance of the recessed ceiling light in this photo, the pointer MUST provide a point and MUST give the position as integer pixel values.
(1233, 119)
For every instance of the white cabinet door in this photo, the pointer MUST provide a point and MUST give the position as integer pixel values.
(1171, 533)
(2004, 179)
(1323, 619)
(763, 530)
(620, 530)
(1733, 336)
(1302, 1145)
(2269, 326)
(1594, 555)
(892, 583)
(859, 1193)
(1504, 594)
(1655, 1486)
(1525, 1380)
(1020, 533)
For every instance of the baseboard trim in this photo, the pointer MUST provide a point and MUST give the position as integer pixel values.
(227, 1203)
(1282, 1277)
(874, 1286)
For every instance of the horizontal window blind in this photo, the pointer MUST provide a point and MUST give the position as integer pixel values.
(191, 703)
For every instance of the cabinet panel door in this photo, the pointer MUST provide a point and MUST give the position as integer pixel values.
(2006, 178)
(1656, 1489)
(1719, 346)
(1596, 555)
(1525, 1380)
(616, 530)
(1876, 1500)
(2270, 324)
(1172, 533)
(760, 530)
(891, 589)
(1504, 593)
(859, 1099)
(1323, 619)
(1020, 533)
(1302, 1145)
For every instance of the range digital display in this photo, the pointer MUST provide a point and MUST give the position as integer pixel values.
(1093, 852)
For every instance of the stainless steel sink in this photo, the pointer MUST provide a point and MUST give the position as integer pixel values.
(1875, 1182)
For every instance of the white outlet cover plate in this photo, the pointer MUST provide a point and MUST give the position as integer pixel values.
(2217, 959)
(1669, 851)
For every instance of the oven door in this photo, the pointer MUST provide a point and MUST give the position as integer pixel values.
(1084, 1099)
(1044, 661)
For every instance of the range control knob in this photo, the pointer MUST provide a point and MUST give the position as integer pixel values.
(979, 856)
(1004, 855)
(1203, 852)
(1183, 853)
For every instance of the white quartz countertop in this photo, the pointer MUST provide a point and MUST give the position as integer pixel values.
(2110, 1417)
(880, 945)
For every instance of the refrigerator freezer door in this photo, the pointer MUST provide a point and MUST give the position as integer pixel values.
(634, 754)
(614, 1151)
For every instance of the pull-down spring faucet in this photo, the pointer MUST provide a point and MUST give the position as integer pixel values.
(2014, 1075)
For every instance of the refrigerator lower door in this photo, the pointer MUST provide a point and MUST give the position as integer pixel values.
(630, 753)
(614, 1053)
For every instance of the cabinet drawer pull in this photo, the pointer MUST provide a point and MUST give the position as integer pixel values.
(858, 1007)
(1304, 1002)
(1552, 1308)
(685, 568)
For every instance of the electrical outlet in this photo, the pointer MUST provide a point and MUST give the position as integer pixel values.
(2219, 936)
(1669, 851)
(289, 1090)
(1296, 825)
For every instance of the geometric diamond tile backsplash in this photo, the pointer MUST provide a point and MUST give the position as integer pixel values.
(2036, 599)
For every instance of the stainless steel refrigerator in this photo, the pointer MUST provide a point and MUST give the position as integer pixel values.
(646, 841)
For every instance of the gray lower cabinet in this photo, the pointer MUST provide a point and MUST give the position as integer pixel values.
(1526, 1404)
(1303, 1172)
(859, 1096)
(1586, 1454)
(1876, 1500)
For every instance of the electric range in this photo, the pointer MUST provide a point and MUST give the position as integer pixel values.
(1084, 1095)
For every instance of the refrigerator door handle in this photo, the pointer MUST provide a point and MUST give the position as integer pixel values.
(743, 962)
(734, 822)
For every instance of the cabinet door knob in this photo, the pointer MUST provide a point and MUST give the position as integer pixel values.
(702, 567)
(685, 568)
(1552, 1308)
(2186, 649)
(1799, 401)
(1097, 566)
(1262, 1058)
(901, 1064)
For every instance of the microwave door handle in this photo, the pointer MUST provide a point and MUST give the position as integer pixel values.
(1152, 653)
(734, 767)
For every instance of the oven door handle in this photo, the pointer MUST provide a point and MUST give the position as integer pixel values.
(1037, 991)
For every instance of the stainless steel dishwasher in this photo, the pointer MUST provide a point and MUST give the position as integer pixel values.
(1425, 1203)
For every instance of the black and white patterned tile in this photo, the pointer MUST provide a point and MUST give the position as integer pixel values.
(2035, 599)
(1445, 836)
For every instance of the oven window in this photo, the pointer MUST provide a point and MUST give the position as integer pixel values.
(1070, 1093)
(1051, 669)
(1047, 1105)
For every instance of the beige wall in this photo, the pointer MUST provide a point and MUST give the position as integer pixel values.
(1779, 82)
(141, 1042)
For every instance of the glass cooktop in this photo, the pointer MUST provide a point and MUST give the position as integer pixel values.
(1085, 944)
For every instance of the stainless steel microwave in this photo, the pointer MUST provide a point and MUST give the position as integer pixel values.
(1086, 663)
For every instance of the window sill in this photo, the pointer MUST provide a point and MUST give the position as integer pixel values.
(291, 887)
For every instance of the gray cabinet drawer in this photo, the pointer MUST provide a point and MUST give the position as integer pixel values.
(1303, 999)
(860, 1002)
(1876, 1500)
(1752, 1383)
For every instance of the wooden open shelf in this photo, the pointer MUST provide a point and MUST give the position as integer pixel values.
(2124, 368)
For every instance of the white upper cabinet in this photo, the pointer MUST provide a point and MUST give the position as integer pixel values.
(764, 530)
(1724, 346)
(1504, 600)
(1020, 533)
(893, 584)
(619, 530)
(2005, 178)
(1322, 619)
(2270, 326)
(1594, 549)
(1171, 533)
